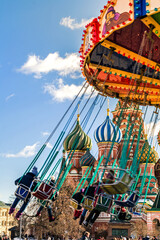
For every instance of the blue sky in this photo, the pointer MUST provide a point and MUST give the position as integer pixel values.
(39, 66)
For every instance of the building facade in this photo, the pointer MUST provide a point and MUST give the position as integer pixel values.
(6, 221)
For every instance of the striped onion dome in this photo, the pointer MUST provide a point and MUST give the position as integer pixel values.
(77, 139)
(108, 132)
(143, 156)
(87, 159)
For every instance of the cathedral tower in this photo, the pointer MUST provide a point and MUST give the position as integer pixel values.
(123, 113)
(108, 136)
(76, 145)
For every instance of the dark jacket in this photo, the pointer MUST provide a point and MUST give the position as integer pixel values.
(90, 191)
(78, 197)
(27, 180)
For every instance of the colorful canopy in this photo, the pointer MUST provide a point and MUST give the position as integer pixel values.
(120, 51)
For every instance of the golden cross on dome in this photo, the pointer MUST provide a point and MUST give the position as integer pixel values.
(153, 144)
(78, 115)
(145, 135)
(108, 107)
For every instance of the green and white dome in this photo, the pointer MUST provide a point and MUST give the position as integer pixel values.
(77, 139)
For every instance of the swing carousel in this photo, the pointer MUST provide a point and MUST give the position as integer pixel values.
(120, 51)
(119, 59)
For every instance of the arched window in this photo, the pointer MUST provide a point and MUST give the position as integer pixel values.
(154, 190)
(73, 171)
(156, 221)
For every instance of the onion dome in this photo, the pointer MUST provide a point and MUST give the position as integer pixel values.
(143, 156)
(107, 131)
(87, 159)
(77, 139)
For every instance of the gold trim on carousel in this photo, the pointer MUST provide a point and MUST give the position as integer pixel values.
(127, 53)
(149, 20)
(155, 100)
(127, 87)
(123, 73)
(153, 11)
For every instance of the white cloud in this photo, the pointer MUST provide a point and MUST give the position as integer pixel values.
(27, 151)
(45, 134)
(69, 65)
(64, 92)
(10, 96)
(72, 24)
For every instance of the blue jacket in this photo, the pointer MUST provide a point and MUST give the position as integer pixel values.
(27, 180)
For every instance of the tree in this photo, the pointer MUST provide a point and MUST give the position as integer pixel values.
(64, 225)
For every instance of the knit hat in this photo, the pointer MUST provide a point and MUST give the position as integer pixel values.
(82, 190)
(35, 171)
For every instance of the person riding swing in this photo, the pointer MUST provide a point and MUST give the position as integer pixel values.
(23, 192)
(52, 198)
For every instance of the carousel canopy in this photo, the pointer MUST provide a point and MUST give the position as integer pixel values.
(120, 51)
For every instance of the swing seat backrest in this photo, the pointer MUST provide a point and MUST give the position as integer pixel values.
(22, 192)
(130, 202)
(133, 199)
(119, 187)
(88, 203)
(44, 191)
(104, 203)
(127, 179)
(74, 204)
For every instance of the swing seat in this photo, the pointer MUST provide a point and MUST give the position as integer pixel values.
(119, 187)
(22, 192)
(104, 203)
(44, 191)
(130, 202)
(74, 204)
(88, 203)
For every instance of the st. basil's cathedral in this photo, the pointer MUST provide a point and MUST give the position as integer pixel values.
(104, 136)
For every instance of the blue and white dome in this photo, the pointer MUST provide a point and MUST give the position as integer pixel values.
(108, 132)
